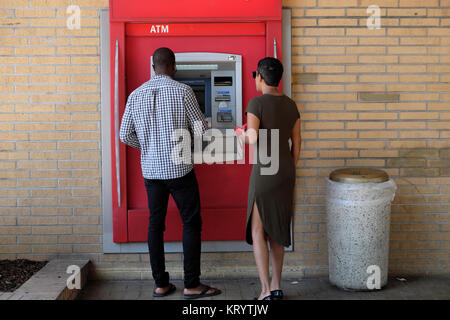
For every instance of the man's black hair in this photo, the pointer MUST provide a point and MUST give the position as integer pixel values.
(271, 70)
(163, 58)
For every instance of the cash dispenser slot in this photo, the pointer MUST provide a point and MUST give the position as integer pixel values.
(223, 97)
(224, 117)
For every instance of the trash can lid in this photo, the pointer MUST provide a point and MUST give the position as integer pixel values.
(359, 175)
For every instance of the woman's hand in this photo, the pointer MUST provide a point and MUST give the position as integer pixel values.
(240, 132)
(251, 133)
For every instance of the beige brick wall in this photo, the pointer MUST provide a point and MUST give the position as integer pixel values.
(50, 151)
(374, 98)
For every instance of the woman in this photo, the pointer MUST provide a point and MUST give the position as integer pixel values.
(270, 196)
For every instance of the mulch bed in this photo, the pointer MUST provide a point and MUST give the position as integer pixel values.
(13, 273)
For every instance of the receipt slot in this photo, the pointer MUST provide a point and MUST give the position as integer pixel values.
(217, 46)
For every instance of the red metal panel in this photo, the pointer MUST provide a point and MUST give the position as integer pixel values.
(273, 32)
(196, 29)
(195, 10)
(218, 224)
(120, 223)
(223, 188)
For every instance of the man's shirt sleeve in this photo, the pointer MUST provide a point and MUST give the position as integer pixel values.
(196, 120)
(127, 129)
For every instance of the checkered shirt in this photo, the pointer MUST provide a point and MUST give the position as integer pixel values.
(153, 111)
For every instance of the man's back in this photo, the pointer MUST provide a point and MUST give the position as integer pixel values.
(153, 112)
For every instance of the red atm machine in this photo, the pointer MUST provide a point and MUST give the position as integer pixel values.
(217, 45)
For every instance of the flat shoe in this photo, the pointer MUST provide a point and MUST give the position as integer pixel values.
(203, 294)
(171, 289)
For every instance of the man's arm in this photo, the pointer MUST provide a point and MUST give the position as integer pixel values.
(196, 120)
(127, 129)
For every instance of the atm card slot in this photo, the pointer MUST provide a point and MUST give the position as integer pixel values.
(224, 97)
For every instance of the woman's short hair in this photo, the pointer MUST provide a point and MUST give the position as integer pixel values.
(271, 70)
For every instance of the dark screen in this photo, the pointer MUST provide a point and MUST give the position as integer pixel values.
(223, 81)
(200, 95)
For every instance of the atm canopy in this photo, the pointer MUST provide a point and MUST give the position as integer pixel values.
(194, 10)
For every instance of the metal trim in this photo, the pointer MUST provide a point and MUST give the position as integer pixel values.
(287, 51)
(116, 119)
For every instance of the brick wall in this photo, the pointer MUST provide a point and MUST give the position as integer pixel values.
(368, 97)
(50, 174)
(376, 98)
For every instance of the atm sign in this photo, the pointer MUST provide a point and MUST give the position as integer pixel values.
(196, 29)
(159, 28)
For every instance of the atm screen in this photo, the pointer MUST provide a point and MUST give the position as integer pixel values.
(202, 91)
(200, 95)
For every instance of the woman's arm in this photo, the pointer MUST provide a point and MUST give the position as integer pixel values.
(251, 134)
(296, 141)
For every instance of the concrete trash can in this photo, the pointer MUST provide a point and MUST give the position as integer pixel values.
(358, 207)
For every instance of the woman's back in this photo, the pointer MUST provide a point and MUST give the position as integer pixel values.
(275, 112)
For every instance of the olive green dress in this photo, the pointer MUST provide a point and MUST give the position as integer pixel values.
(273, 193)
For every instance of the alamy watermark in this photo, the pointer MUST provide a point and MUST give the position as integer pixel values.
(222, 144)
(74, 20)
(374, 20)
(74, 280)
(374, 280)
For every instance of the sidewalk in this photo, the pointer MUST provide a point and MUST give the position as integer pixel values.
(415, 288)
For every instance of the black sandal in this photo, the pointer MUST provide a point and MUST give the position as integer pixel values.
(269, 297)
(277, 294)
(203, 294)
(171, 289)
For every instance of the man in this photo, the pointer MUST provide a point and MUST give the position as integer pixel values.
(153, 112)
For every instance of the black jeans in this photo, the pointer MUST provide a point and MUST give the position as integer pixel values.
(184, 191)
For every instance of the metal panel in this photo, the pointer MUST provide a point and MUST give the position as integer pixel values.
(287, 54)
(287, 74)
(108, 244)
(116, 117)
